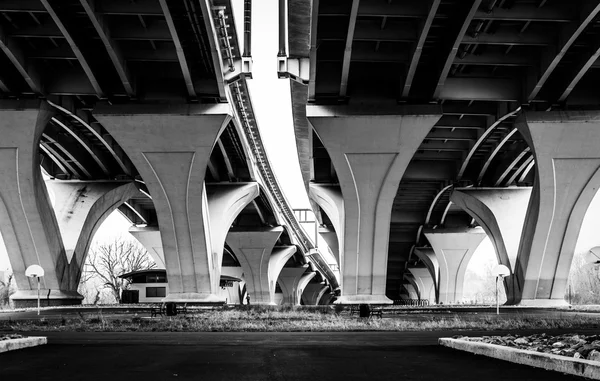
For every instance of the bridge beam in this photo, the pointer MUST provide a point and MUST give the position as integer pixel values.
(370, 150)
(172, 160)
(261, 261)
(453, 249)
(501, 213)
(567, 177)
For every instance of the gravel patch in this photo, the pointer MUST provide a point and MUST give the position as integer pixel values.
(11, 336)
(569, 345)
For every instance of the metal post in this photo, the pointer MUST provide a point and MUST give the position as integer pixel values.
(38, 278)
(497, 302)
(282, 30)
(247, 28)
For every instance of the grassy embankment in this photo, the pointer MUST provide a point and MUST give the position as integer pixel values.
(265, 319)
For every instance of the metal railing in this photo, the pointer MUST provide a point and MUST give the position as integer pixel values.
(243, 105)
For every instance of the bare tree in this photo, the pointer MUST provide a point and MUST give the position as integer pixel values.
(584, 281)
(6, 290)
(107, 261)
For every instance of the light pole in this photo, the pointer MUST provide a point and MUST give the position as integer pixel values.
(500, 271)
(36, 271)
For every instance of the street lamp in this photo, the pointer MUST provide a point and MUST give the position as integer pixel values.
(500, 271)
(36, 271)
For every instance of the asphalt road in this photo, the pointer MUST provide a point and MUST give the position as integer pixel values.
(257, 356)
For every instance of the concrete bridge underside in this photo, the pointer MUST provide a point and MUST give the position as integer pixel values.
(500, 100)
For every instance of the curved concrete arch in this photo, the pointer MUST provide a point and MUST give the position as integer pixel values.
(302, 283)
(321, 294)
(225, 202)
(330, 199)
(501, 213)
(277, 261)
(80, 209)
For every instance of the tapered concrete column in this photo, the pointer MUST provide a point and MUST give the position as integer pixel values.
(312, 293)
(501, 213)
(260, 260)
(172, 158)
(425, 281)
(292, 281)
(370, 150)
(330, 237)
(565, 148)
(415, 286)
(149, 237)
(329, 198)
(225, 202)
(453, 249)
(412, 292)
(428, 257)
(326, 299)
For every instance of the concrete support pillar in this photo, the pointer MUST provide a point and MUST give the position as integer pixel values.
(415, 286)
(261, 261)
(501, 213)
(172, 159)
(330, 237)
(225, 202)
(370, 150)
(292, 281)
(312, 293)
(567, 177)
(425, 282)
(149, 237)
(428, 257)
(326, 299)
(329, 198)
(31, 228)
(453, 249)
(412, 292)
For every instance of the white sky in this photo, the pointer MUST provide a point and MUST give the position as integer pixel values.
(272, 104)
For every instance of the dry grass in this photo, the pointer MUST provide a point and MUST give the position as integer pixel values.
(267, 319)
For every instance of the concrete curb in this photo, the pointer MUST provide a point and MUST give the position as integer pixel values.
(577, 367)
(14, 344)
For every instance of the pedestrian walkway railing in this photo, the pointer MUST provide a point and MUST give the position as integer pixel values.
(243, 106)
